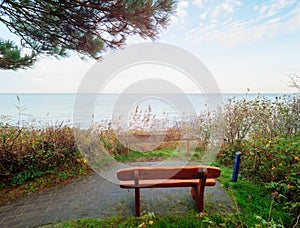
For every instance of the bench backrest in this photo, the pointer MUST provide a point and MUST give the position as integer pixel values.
(168, 172)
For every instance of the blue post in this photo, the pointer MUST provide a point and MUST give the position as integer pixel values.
(236, 167)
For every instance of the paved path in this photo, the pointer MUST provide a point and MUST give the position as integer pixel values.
(96, 197)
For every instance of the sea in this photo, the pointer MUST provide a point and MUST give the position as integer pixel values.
(82, 110)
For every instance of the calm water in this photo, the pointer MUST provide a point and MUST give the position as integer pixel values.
(56, 108)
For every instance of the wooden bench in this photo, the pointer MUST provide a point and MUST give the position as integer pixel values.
(196, 177)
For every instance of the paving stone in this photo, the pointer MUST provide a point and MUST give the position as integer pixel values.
(10, 219)
(12, 224)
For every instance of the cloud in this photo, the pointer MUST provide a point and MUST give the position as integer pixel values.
(203, 16)
(198, 3)
(275, 6)
(267, 20)
(181, 11)
(225, 7)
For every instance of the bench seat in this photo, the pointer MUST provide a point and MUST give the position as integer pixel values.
(169, 183)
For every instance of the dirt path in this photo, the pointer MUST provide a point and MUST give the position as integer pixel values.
(97, 196)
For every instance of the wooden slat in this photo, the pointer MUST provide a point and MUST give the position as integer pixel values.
(169, 172)
(165, 183)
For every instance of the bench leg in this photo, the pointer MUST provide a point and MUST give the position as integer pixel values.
(198, 195)
(193, 192)
(137, 202)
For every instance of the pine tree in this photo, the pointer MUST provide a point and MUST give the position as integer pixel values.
(88, 27)
(11, 59)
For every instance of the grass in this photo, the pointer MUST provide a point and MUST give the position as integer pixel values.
(253, 201)
(156, 155)
(145, 221)
(144, 156)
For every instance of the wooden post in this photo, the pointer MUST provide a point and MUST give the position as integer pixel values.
(188, 147)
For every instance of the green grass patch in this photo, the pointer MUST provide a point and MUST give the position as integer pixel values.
(158, 155)
(149, 155)
(148, 220)
(254, 203)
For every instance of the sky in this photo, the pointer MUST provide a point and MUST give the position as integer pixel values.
(246, 45)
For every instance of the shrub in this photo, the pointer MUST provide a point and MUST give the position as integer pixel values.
(267, 132)
(274, 162)
(26, 153)
(262, 116)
